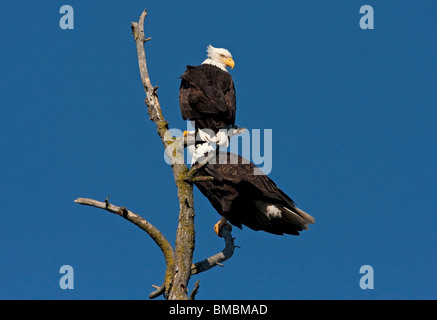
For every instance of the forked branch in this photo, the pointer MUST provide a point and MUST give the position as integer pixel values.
(217, 259)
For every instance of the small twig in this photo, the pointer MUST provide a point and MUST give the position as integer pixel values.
(202, 178)
(159, 291)
(107, 201)
(217, 259)
(194, 291)
(189, 176)
(196, 167)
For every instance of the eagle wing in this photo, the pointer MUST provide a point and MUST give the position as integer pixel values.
(207, 95)
(251, 179)
(242, 193)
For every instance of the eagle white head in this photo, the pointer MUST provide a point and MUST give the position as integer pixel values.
(219, 57)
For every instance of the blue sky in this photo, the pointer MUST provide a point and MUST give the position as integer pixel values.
(352, 113)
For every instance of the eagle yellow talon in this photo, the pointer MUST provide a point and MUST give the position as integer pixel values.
(186, 133)
(219, 225)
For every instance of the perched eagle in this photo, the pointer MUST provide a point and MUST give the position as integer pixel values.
(207, 93)
(243, 195)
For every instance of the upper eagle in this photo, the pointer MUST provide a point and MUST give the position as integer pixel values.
(207, 92)
(242, 194)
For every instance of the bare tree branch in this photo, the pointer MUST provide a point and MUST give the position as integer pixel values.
(140, 222)
(159, 291)
(195, 290)
(185, 235)
(217, 259)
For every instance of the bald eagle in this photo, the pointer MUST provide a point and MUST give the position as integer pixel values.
(207, 92)
(243, 195)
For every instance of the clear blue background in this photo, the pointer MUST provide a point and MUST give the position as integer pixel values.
(353, 114)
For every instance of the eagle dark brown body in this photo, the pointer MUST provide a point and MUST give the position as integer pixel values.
(207, 97)
(246, 198)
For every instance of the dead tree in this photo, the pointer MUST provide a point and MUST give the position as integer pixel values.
(178, 258)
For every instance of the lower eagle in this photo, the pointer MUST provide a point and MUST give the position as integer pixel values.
(243, 195)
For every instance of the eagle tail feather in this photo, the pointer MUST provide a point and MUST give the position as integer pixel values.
(297, 217)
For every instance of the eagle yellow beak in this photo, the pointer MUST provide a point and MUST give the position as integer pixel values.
(230, 62)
